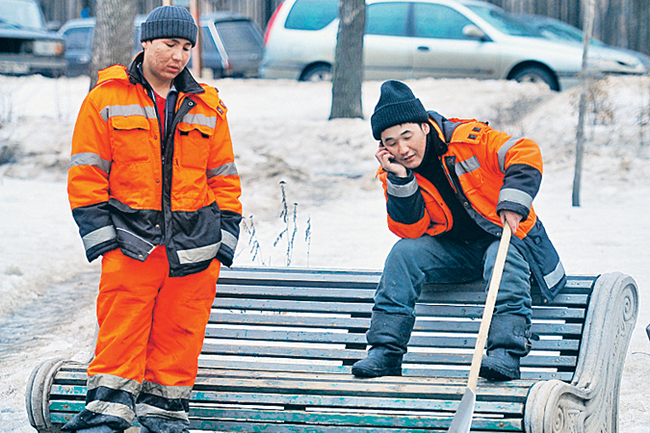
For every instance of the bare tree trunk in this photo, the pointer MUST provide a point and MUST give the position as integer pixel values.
(582, 107)
(113, 38)
(347, 76)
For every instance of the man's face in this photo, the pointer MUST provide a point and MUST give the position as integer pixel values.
(164, 59)
(407, 143)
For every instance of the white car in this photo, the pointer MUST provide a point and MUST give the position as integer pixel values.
(408, 39)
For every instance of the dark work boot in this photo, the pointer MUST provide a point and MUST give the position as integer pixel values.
(508, 341)
(388, 337)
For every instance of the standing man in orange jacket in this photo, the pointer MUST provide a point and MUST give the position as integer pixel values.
(154, 189)
(450, 186)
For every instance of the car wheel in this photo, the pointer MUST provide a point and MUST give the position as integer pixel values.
(317, 73)
(535, 74)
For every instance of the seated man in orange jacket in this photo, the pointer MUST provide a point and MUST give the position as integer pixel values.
(155, 191)
(450, 186)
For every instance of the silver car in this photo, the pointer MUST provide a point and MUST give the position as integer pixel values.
(408, 39)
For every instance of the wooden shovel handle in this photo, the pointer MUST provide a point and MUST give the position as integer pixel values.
(491, 300)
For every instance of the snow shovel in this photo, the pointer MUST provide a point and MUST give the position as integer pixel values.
(462, 421)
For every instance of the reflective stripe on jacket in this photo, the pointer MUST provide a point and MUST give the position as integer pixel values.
(124, 192)
(490, 171)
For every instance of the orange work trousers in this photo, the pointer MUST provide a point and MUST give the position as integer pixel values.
(151, 326)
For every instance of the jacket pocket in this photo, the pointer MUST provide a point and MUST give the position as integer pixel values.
(130, 139)
(193, 146)
(469, 173)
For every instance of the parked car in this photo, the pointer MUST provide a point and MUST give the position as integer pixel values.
(559, 30)
(231, 44)
(426, 38)
(26, 44)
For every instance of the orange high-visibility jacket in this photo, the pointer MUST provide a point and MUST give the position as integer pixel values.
(490, 171)
(126, 192)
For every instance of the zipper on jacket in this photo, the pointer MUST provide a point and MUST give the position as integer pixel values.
(148, 90)
(450, 171)
(168, 169)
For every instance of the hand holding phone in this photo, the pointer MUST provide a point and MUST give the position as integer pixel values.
(387, 161)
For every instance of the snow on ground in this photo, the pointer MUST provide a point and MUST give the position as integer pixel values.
(335, 207)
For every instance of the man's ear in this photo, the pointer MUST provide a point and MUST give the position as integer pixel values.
(426, 127)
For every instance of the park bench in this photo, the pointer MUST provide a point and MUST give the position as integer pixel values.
(280, 343)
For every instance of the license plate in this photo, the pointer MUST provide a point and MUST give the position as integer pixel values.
(13, 67)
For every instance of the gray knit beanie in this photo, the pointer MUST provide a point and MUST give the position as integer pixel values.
(397, 105)
(169, 22)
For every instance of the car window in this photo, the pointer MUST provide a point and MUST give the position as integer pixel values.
(390, 19)
(567, 33)
(21, 14)
(238, 37)
(439, 21)
(312, 14)
(504, 21)
(208, 42)
(79, 38)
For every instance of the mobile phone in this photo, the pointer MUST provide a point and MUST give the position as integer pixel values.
(381, 146)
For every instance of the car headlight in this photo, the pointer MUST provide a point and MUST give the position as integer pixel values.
(616, 66)
(49, 48)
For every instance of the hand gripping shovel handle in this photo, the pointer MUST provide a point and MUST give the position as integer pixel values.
(462, 421)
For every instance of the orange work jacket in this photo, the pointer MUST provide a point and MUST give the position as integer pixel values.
(130, 188)
(489, 171)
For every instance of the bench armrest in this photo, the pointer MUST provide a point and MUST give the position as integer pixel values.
(590, 402)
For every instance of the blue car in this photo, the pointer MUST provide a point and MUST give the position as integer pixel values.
(554, 29)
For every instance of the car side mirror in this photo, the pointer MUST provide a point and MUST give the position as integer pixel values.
(473, 32)
(53, 26)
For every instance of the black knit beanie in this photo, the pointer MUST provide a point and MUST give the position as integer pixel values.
(396, 105)
(169, 22)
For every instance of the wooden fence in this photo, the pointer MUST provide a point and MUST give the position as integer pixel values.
(623, 23)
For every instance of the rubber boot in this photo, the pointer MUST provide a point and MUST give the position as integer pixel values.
(91, 422)
(388, 337)
(508, 341)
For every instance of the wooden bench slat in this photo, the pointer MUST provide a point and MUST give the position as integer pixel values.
(452, 389)
(249, 368)
(289, 305)
(279, 383)
(470, 311)
(212, 376)
(307, 353)
(261, 417)
(343, 277)
(342, 322)
(291, 276)
(334, 401)
(446, 293)
(263, 397)
(337, 294)
(360, 338)
(299, 321)
(358, 298)
(355, 307)
(352, 305)
(276, 365)
(404, 420)
(310, 428)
